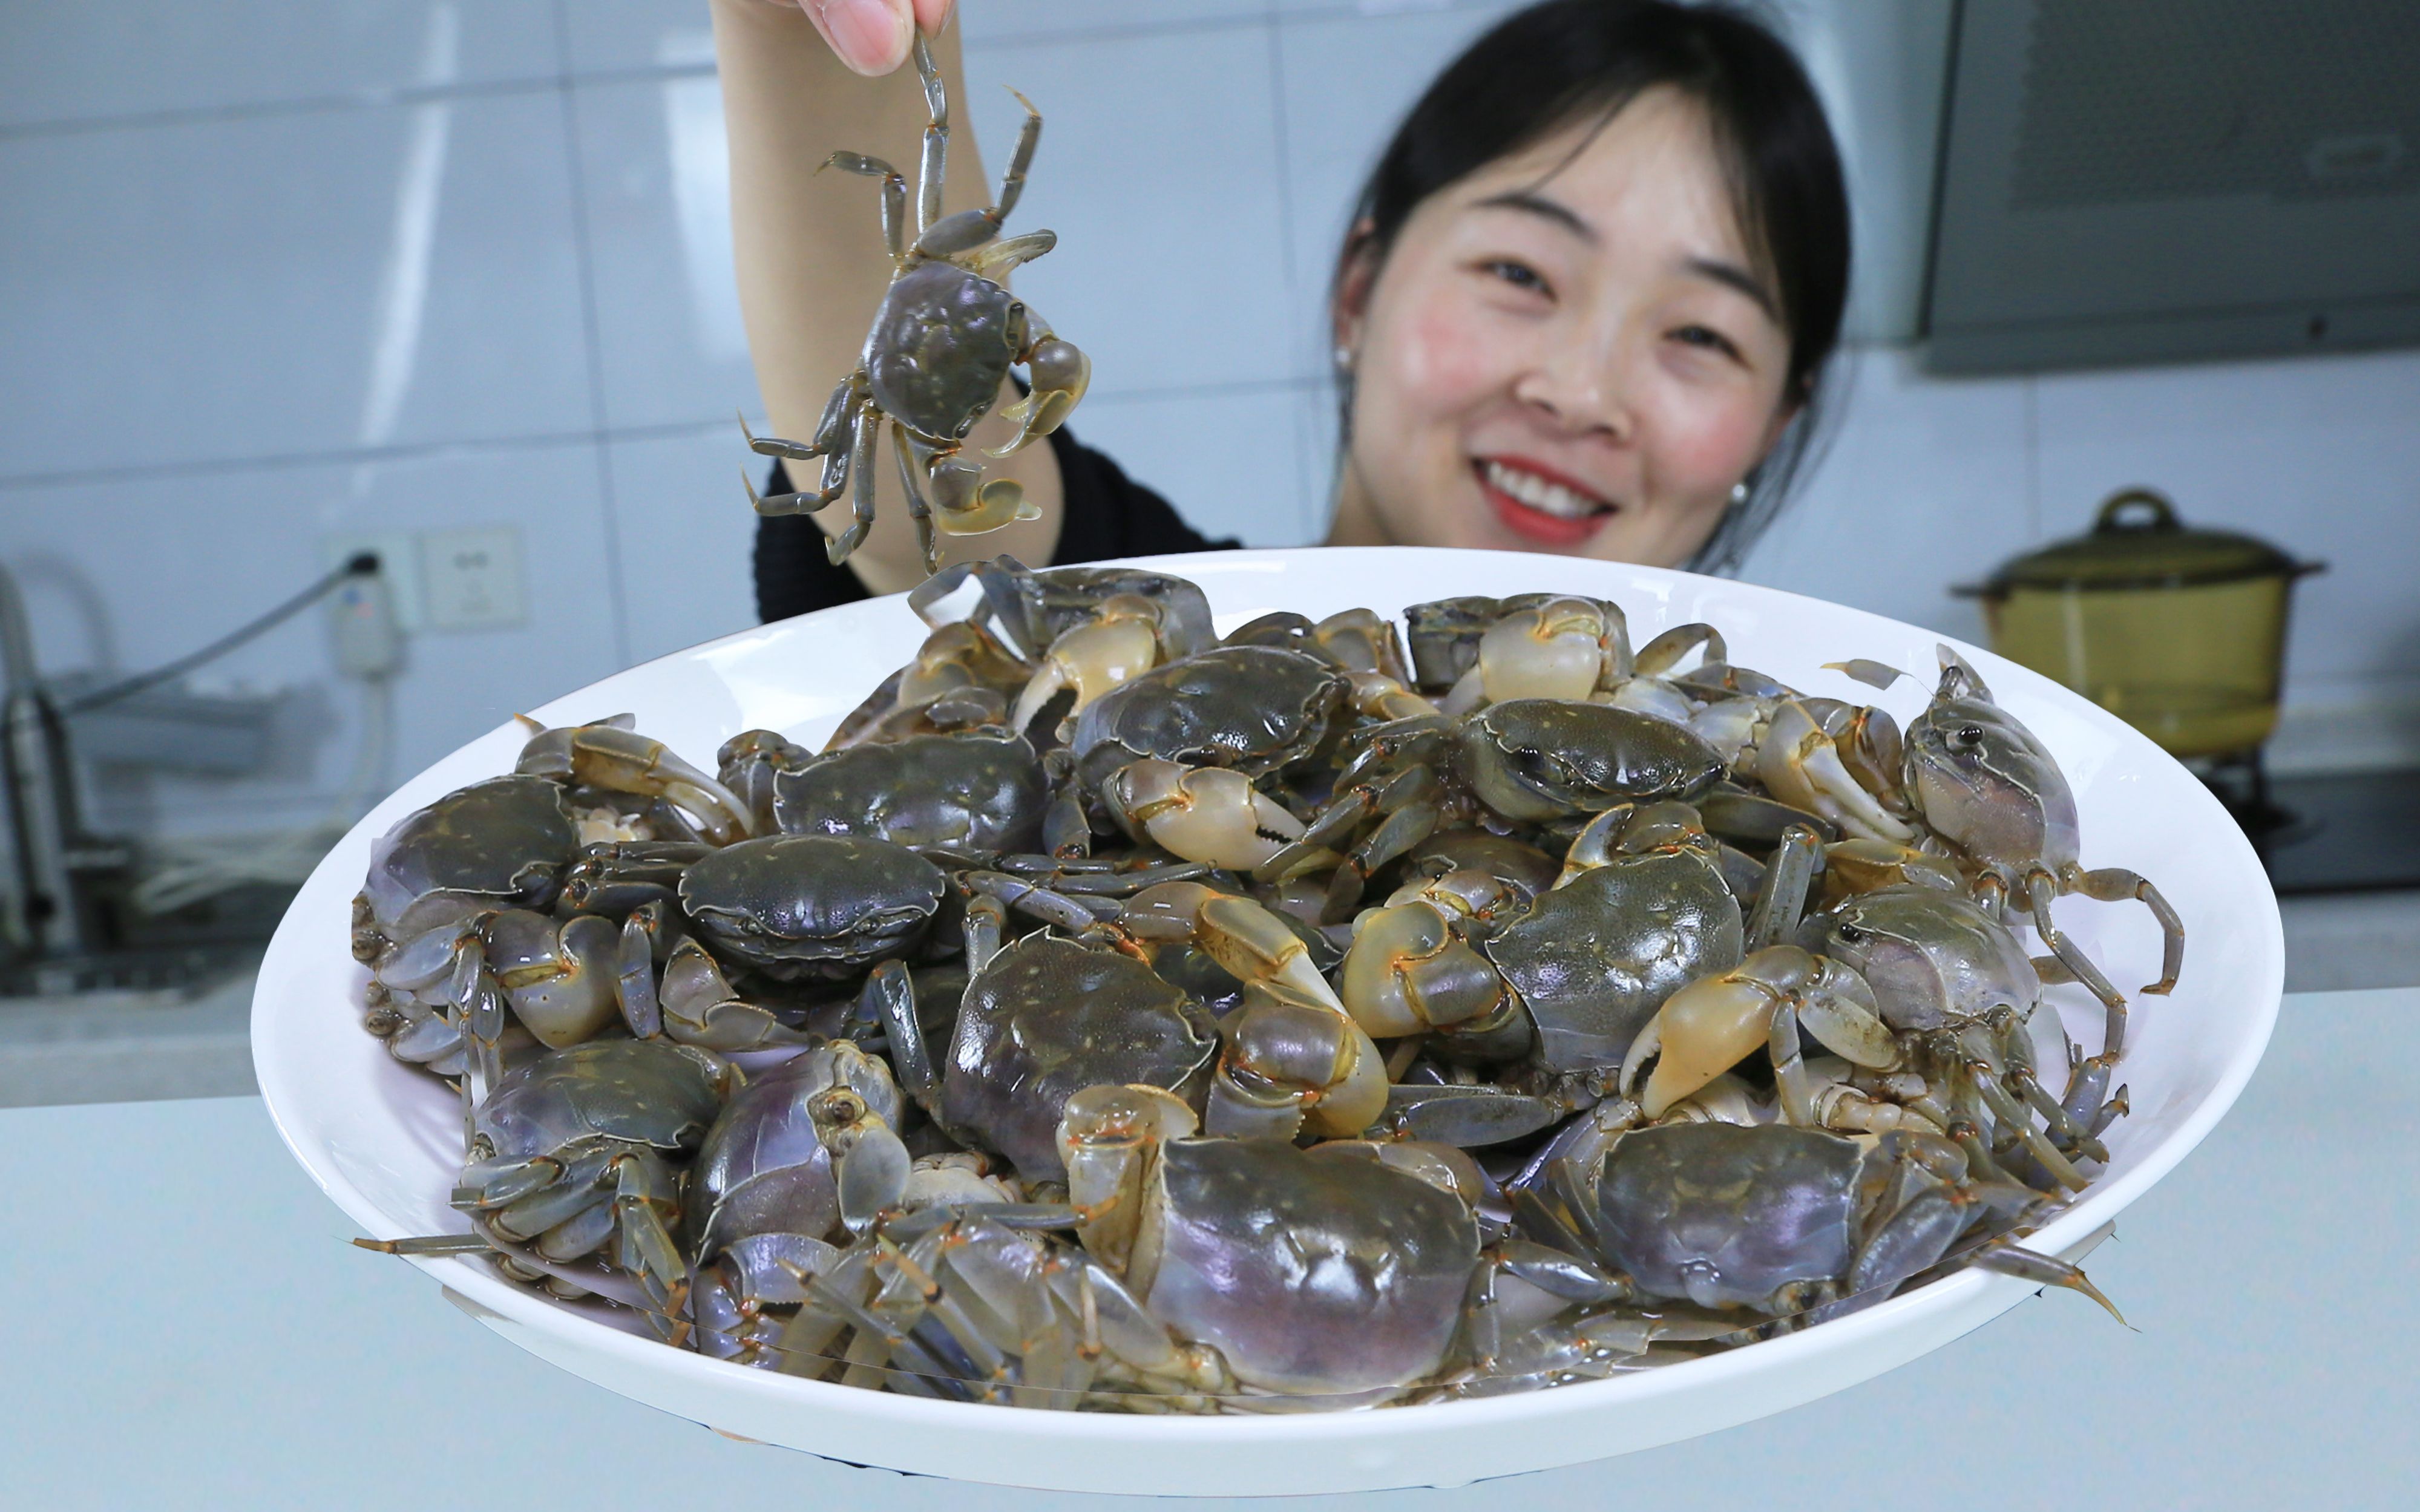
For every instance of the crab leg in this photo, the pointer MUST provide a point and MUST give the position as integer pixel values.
(1782, 898)
(933, 171)
(861, 442)
(894, 196)
(2115, 883)
(2042, 889)
(920, 509)
(2008, 1258)
(834, 442)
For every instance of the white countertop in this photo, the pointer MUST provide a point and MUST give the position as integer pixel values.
(229, 1348)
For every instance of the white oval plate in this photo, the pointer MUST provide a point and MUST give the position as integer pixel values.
(384, 1142)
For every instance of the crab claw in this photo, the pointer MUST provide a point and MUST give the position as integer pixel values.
(1107, 1136)
(1207, 815)
(1715, 1022)
(1801, 764)
(1292, 1062)
(609, 754)
(1566, 648)
(1090, 659)
(1702, 1031)
(1061, 373)
(963, 504)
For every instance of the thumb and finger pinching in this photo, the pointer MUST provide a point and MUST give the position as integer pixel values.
(872, 35)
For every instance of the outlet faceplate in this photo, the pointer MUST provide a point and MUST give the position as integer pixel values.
(472, 579)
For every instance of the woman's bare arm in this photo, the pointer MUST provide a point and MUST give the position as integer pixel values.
(808, 247)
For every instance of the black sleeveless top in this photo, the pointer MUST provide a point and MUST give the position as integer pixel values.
(1107, 514)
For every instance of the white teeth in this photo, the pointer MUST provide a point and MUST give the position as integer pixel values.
(1540, 494)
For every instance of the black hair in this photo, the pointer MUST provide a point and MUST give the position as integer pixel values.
(1561, 62)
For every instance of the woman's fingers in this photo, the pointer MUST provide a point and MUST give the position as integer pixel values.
(870, 35)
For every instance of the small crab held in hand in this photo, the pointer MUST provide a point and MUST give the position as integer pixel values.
(943, 340)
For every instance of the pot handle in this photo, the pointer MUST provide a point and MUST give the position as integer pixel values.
(2115, 508)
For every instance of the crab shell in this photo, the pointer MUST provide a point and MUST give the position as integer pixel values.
(1985, 783)
(1536, 759)
(1726, 1216)
(1310, 1275)
(502, 844)
(1047, 1018)
(641, 1091)
(1062, 598)
(1932, 958)
(982, 791)
(762, 1170)
(1254, 709)
(804, 906)
(1594, 960)
(942, 344)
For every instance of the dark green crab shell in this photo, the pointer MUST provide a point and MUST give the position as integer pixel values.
(977, 790)
(1257, 709)
(1593, 961)
(1726, 1216)
(1535, 758)
(942, 344)
(502, 844)
(642, 1092)
(1049, 1017)
(801, 907)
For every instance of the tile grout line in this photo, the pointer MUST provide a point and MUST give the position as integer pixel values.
(585, 260)
(2033, 460)
(381, 97)
(537, 441)
(1307, 510)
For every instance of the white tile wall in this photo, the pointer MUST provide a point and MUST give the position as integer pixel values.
(1171, 269)
(98, 61)
(212, 227)
(685, 532)
(1346, 77)
(670, 347)
(224, 290)
(606, 36)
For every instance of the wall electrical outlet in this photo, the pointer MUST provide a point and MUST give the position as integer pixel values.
(472, 579)
(399, 554)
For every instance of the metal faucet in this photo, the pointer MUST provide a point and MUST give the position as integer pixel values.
(56, 855)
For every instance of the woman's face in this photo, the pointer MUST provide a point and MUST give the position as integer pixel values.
(1568, 351)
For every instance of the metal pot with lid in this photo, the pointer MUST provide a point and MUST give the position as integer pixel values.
(2181, 632)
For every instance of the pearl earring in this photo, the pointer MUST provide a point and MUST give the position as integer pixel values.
(1343, 358)
(1739, 493)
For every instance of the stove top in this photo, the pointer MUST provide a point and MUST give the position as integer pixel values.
(2328, 832)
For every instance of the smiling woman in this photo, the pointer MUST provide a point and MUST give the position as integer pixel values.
(1591, 290)
(1584, 307)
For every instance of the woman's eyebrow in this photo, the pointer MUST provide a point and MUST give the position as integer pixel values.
(1732, 276)
(1529, 203)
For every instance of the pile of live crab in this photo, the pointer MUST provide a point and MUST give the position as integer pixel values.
(1118, 1015)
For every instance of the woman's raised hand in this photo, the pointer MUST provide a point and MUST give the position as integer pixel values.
(870, 35)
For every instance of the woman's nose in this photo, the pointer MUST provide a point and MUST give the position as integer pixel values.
(1577, 379)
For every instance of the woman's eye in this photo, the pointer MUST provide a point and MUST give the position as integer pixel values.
(1520, 275)
(1707, 337)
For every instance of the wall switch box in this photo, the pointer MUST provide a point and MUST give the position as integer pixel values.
(472, 579)
(399, 554)
(361, 615)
